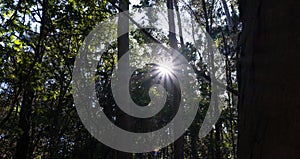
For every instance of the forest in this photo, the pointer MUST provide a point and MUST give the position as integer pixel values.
(149, 79)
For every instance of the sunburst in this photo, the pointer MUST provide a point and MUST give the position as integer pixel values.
(165, 71)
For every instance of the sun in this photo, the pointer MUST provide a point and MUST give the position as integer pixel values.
(164, 70)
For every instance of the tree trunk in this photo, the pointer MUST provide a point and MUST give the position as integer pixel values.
(218, 140)
(24, 125)
(269, 71)
(23, 150)
(123, 119)
(179, 143)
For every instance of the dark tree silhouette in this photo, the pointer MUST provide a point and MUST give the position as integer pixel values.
(269, 108)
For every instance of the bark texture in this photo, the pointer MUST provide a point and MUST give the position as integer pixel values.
(269, 107)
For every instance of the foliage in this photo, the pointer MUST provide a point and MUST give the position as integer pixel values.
(39, 42)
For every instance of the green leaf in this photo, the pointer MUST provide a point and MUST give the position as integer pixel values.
(17, 42)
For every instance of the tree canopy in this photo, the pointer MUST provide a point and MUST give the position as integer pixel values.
(40, 40)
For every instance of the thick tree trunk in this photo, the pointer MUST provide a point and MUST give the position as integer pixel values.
(123, 119)
(269, 107)
(24, 125)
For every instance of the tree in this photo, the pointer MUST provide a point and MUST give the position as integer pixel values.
(123, 46)
(37, 54)
(38, 46)
(269, 108)
(23, 142)
(179, 143)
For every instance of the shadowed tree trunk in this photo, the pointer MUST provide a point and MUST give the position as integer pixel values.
(179, 143)
(269, 107)
(24, 125)
(123, 119)
(23, 142)
(218, 140)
